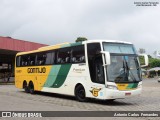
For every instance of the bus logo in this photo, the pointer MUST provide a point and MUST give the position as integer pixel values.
(6, 114)
(95, 91)
(37, 70)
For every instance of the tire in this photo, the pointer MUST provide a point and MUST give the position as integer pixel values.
(31, 88)
(25, 87)
(80, 93)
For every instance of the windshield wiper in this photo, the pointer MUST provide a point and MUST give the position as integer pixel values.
(122, 75)
(129, 71)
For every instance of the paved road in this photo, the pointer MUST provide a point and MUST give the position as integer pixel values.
(13, 99)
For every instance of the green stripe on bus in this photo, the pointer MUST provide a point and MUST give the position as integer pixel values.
(76, 44)
(62, 74)
(71, 44)
(65, 45)
(132, 85)
(52, 76)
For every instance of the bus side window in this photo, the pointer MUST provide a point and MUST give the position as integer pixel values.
(78, 54)
(41, 58)
(31, 59)
(24, 61)
(18, 61)
(50, 58)
(63, 55)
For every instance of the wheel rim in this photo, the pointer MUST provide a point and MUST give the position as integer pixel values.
(81, 93)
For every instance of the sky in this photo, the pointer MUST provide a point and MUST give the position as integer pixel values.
(56, 21)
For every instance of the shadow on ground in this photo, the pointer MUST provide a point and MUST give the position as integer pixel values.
(94, 101)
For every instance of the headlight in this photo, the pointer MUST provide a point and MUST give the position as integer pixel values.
(111, 87)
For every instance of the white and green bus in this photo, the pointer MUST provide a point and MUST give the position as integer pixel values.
(101, 69)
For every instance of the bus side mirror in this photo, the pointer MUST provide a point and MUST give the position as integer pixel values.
(143, 59)
(107, 58)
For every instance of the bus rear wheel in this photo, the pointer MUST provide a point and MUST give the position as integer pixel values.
(80, 93)
(25, 87)
(31, 88)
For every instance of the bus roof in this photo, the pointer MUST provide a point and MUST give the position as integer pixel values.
(112, 41)
(52, 47)
(67, 44)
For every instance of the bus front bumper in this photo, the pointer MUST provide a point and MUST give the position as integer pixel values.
(117, 94)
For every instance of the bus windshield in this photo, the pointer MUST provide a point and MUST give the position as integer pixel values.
(119, 48)
(123, 69)
(124, 65)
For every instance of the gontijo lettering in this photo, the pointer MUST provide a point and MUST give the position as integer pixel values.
(36, 70)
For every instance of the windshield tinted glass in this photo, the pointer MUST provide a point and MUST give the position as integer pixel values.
(123, 69)
(119, 48)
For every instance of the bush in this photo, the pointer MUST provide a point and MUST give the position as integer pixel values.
(153, 62)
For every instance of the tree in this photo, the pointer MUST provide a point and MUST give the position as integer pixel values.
(149, 56)
(155, 63)
(80, 39)
(142, 50)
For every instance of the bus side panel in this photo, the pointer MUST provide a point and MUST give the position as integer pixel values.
(56, 78)
(37, 74)
(20, 76)
(77, 74)
(59, 79)
(18, 82)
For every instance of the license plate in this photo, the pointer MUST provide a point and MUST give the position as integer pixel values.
(127, 94)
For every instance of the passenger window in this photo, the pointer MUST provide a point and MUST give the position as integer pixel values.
(78, 54)
(41, 59)
(24, 60)
(31, 59)
(63, 56)
(49, 58)
(18, 61)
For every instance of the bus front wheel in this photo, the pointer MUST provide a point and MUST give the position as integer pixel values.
(80, 93)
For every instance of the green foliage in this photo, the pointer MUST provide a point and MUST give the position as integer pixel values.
(153, 62)
(149, 56)
(80, 39)
(141, 60)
